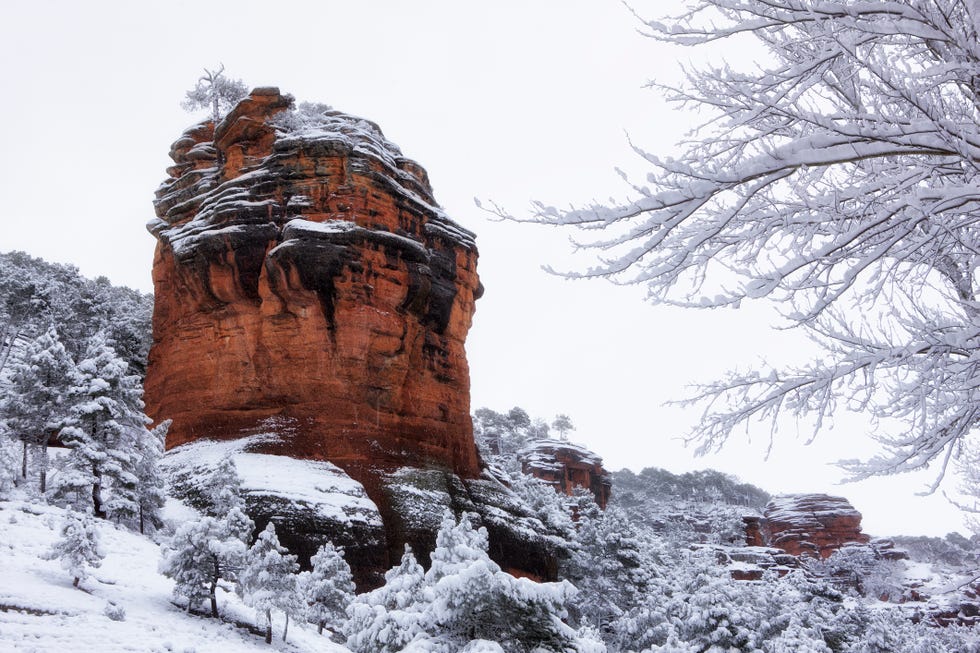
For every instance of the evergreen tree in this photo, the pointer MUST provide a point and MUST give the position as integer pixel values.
(8, 465)
(267, 581)
(328, 588)
(151, 489)
(104, 430)
(78, 548)
(469, 598)
(34, 407)
(386, 619)
(203, 552)
(613, 563)
(223, 489)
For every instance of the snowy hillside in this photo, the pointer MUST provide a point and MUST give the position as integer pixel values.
(40, 611)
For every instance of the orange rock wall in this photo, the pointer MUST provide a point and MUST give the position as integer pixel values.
(310, 277)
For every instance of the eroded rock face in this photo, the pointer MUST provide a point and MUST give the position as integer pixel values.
(808, 525)
(305, 276)
(566, 466)
(307, 273)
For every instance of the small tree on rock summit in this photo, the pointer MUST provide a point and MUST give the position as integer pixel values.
(215, 92)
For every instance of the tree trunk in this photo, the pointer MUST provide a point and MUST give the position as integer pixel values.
(319, 627)
(75, 584)
(141, 519)
(23, 464)
(43, 472)
(214, 599)
(268, 626)
(97, 498)
(285, 629)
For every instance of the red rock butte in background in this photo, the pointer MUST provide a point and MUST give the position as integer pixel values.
(813, 525)
(310, 291)
(311, 278)
(566, 466)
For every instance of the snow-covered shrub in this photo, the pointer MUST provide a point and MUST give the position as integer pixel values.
(78, 548)
(328, 588)
(268, 578)
(114, 612)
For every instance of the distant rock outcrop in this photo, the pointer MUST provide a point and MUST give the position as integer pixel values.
(309, 290)
(814, 525)
(567, 466)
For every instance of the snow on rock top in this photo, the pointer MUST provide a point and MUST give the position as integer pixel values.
(319, 484)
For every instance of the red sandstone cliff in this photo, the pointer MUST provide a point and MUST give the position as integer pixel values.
(313, 300)
(309, 274)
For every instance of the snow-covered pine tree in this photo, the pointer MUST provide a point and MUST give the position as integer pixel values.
(8, 464)
(203, 552)
(328, 588)
(35, 404)
(386, 619)
(104, 429)
(469, 598)
(78, 547)
(612, 563)
(223, 489)
(151, 488)
(268, 580)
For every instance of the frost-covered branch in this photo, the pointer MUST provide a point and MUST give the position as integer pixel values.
(844, 170)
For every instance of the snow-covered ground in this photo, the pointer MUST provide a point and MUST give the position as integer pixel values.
(41, 611)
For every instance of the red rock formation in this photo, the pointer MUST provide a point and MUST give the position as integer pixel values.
(810, 524)
(567, 466)
(304, 271)
(311, 293)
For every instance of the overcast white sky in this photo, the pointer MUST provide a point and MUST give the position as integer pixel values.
(507, 101)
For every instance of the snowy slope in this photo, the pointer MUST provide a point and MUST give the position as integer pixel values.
(41, 611)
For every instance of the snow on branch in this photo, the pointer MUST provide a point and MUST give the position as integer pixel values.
(844, 172)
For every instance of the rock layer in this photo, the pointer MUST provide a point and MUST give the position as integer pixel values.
(305, 276)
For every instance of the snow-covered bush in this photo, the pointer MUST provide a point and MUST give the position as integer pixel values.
(78, 548)
(328, 588)
(114, 612)
(268, 578)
